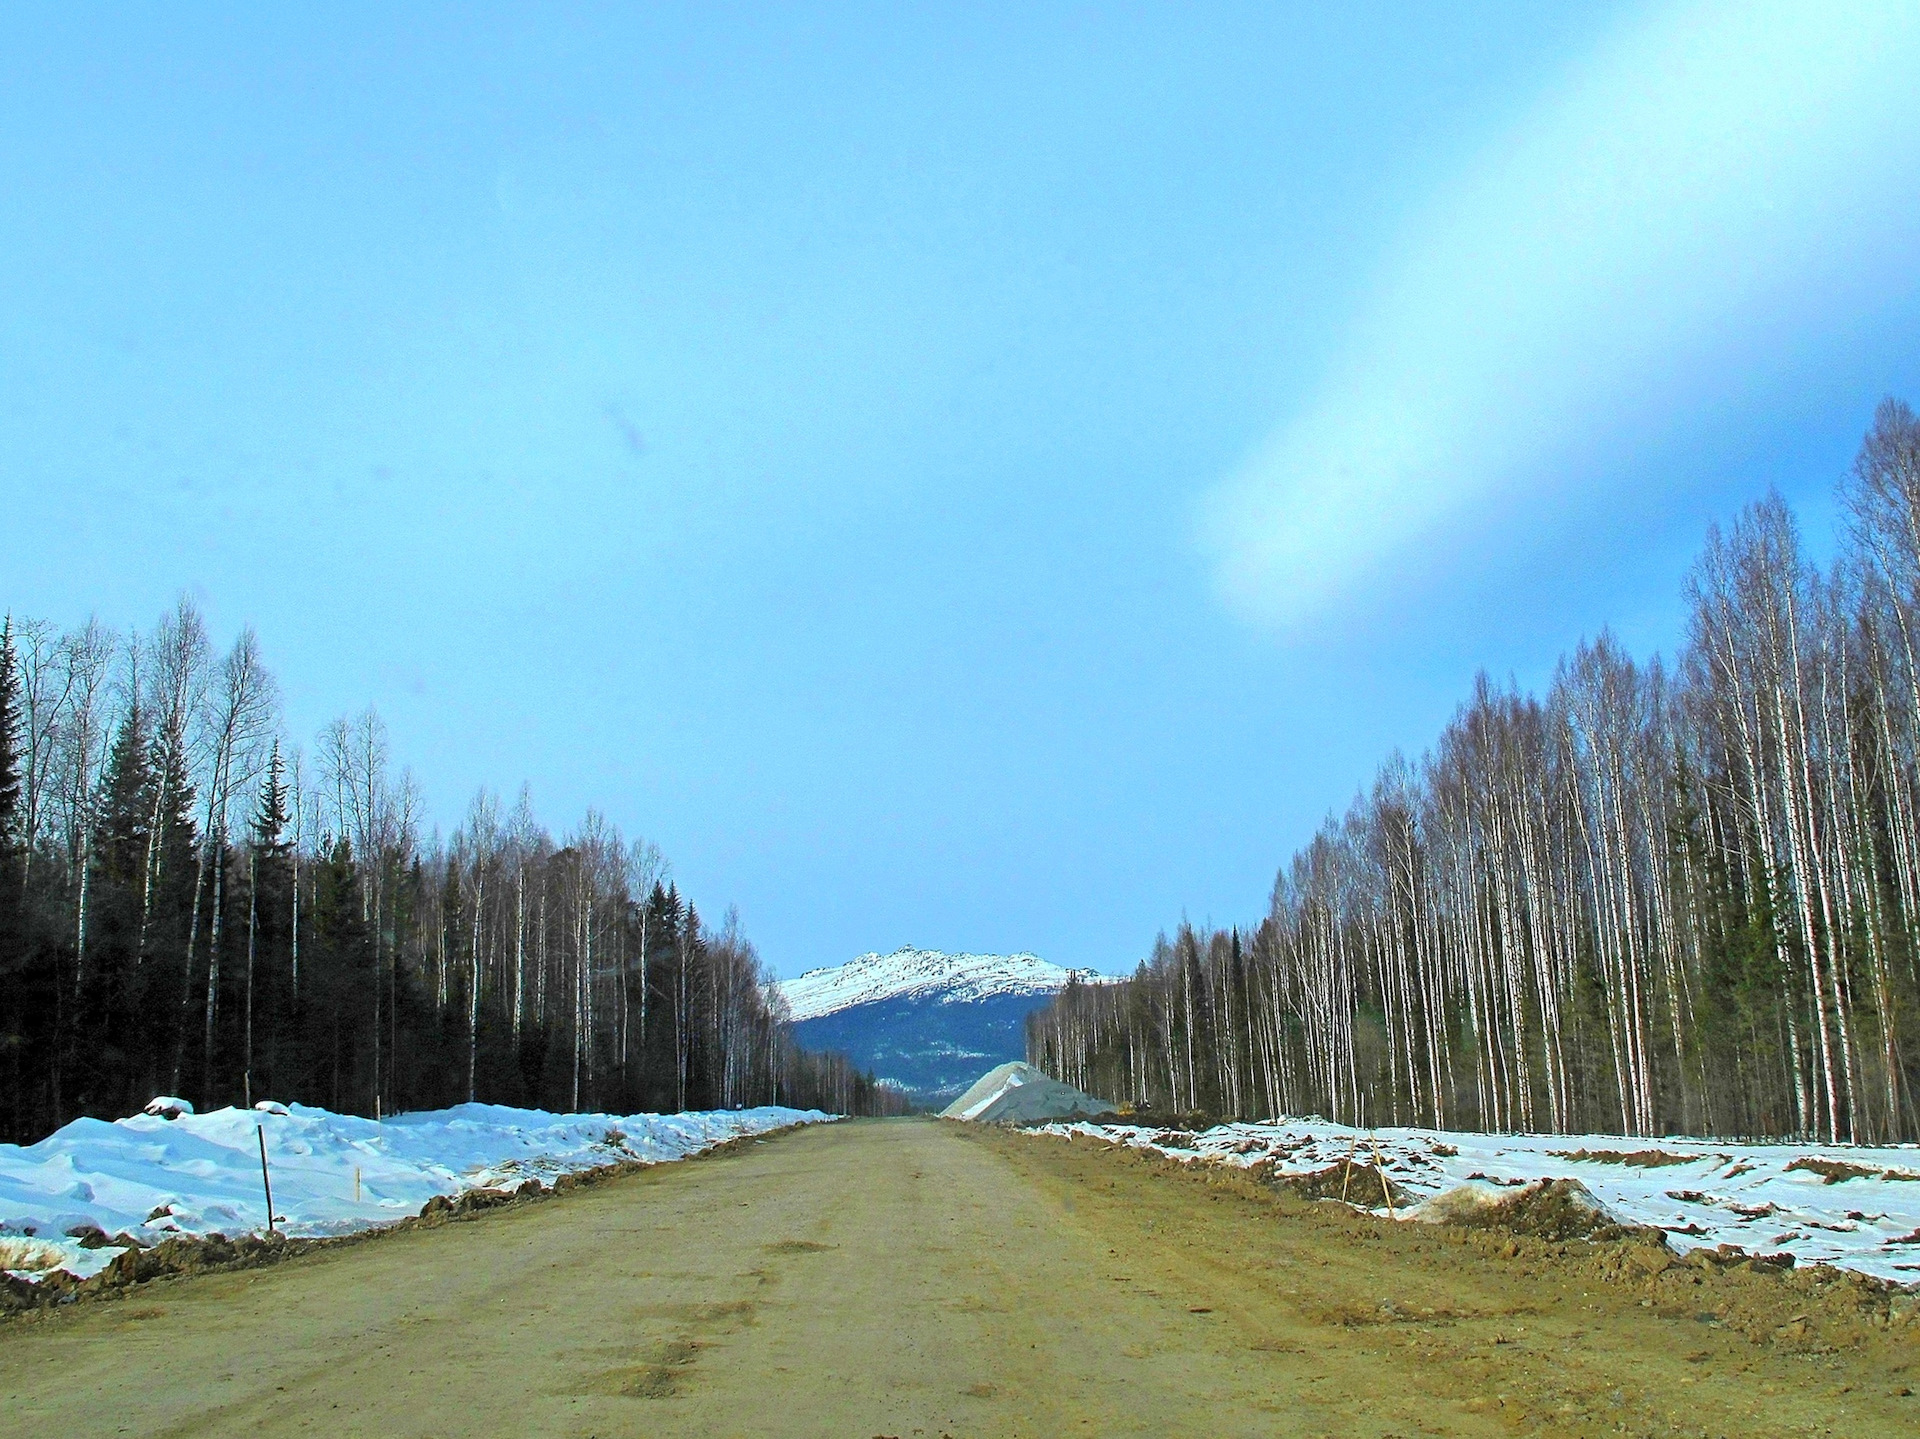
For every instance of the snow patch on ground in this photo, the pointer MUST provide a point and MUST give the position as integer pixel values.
(1851, 1206)
(154, 1178)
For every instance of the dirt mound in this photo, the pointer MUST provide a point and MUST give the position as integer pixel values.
(185, 1255)
(199, 1256)
(1839, 1171)
(1196, 1121)
(20, 1294)
(1637, 1159)
(1356, 1183)
(1551, 1209)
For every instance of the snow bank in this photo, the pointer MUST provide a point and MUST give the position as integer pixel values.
(1855, 1207)
(150, 1177)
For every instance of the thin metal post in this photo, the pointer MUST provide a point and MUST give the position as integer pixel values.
(265, 1183)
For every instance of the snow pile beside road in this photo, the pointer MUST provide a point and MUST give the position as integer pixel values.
(1855, 1207)
(152, 1178)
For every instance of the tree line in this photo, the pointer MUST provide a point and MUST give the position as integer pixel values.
(188, 906)
(1665, 897)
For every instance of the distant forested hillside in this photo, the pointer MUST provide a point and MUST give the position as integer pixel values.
(189, 907)
(1660, 897)
(931, 1049)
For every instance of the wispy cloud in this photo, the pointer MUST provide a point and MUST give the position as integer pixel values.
(1710, 171)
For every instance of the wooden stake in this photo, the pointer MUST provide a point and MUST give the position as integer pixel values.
(1346, 1176)
(1380, 1168)
(265, 1182)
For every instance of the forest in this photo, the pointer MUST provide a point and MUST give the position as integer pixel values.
(189, 906)
(1663, 897)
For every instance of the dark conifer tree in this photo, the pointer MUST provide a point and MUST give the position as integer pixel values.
(267, 998)
(110, 999)
(166, 908)
(126, 804)
(339, 1019)
(270, 807)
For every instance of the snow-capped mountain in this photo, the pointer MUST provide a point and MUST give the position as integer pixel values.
(923, 973)
(930, 1022)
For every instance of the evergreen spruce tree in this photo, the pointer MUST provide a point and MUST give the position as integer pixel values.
(166, 905)
(269, 880)
(126, 809)
(111, 1002)
(338, 1020)
(178, 843)
(270, 809)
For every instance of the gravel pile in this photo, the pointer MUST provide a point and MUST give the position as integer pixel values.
(1018, 1093)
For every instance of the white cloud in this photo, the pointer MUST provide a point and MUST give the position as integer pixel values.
(1709, 170)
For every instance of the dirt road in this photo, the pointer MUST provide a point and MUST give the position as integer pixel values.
(915, 1278)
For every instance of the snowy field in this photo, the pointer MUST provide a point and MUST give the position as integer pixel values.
(1857, 1208)
(155, 1178)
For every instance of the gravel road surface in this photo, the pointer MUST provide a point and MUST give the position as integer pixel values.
(921, 1278)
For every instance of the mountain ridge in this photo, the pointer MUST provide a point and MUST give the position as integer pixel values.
(924, 1020)
(912, 973)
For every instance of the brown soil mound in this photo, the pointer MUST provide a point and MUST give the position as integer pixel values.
(1552, 1209)
(1638, 1159)
(1838, 1171)
(199, 1256)
(1194, 1120)
(185, 1255)
(1356, 1183)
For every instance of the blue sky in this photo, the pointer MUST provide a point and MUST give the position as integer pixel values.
(985, 477)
